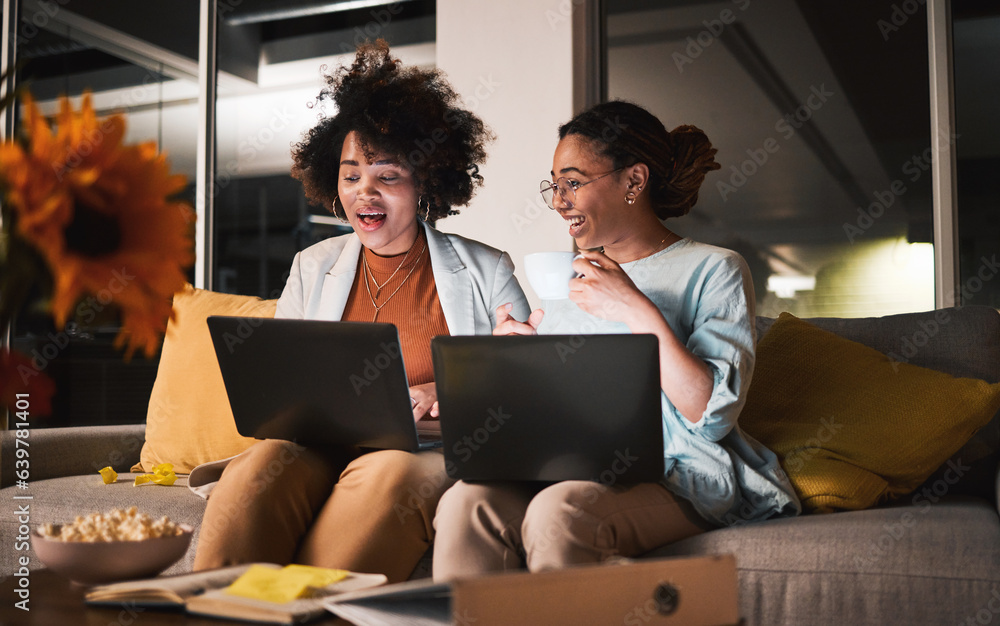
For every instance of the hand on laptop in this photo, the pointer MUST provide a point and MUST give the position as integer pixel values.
(507, 325)
(425, 402)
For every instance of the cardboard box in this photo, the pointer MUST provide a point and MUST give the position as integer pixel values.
(690, 591)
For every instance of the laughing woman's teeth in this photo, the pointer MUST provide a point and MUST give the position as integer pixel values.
(576, 221)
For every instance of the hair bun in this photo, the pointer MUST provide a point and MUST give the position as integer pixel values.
(694, 157)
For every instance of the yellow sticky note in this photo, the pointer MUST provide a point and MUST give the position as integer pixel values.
(321, 576)
(284, 585)
(109, 475)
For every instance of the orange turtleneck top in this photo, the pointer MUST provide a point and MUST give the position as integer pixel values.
(401, 290)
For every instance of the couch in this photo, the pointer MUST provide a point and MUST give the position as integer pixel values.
(929, 557)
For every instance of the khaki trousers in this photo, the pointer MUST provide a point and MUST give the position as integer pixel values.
(279, 502)
(507, 526)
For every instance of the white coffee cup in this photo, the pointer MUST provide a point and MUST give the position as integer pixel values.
(549, 273)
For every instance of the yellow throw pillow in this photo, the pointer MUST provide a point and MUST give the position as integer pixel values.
(852, 427)
(189, 421)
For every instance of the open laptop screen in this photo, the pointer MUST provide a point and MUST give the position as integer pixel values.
(317, 383)
(550, 407)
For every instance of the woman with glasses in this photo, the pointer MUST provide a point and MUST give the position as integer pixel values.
(617, 174)
(369, 512)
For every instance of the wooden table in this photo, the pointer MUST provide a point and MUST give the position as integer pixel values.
(53, 600)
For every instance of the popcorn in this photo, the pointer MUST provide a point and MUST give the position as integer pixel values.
(116, 525)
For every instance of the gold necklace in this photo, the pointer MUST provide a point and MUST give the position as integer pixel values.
(378, 307)
(368, 270)
(655, 250)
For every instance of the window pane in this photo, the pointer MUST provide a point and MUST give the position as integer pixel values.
(270, 62)
(140, 64)
(977, 89)
(820, 113)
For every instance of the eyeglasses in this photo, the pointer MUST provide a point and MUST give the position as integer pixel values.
(567, 188)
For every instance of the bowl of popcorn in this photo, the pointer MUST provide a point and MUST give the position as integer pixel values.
(105, 547)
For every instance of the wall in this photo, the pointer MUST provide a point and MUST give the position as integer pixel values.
(521, 85)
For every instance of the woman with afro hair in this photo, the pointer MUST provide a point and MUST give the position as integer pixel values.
(398, 155)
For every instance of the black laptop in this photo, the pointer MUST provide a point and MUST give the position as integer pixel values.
(317, 383)
(550, 407)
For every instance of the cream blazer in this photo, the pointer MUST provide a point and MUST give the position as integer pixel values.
(472, 280)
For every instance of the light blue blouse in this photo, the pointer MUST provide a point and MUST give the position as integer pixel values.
(706, 295)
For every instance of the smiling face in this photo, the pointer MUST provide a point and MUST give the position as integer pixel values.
(598, 216)
(380, 199)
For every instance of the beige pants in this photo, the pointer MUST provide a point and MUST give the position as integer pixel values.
(507, 526)
(282, 503)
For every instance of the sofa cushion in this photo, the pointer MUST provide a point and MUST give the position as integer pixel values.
(852, 426)
(922, 563)
(962, 341)
(189, 420)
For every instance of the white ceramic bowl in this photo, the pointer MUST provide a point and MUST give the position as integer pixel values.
(109, 561)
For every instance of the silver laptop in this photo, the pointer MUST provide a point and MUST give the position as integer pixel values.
(321, 384)
(550, 407)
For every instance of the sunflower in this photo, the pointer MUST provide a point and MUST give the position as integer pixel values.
(100, 214)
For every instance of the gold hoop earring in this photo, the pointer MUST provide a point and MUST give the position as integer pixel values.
(426, 205)
(333, 207)
(630, 196)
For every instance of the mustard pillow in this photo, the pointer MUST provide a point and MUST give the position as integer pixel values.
(852, 427)
(189, 421)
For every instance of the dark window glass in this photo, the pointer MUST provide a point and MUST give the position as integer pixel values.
(271, 56)
(137, 63)
(820, 113)
(976, 32)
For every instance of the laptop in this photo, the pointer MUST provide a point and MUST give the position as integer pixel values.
(317, 383)
(550, 407)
